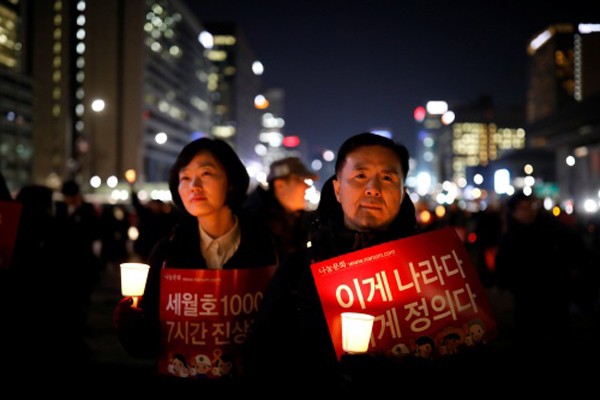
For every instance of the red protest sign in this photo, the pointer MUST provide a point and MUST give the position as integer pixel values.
(204, 318)
(423, 291)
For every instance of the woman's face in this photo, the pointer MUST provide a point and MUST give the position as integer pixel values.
(203, 185)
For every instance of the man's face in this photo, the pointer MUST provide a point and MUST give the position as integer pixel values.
(290, 192)
(525, 211)
(370, 188)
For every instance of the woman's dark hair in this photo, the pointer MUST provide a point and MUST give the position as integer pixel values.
(371, 139)
(237, 176)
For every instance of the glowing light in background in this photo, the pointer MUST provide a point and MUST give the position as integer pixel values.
(291, 141)
(501, 180)
(160, 138)
(258, 68)
(261, 102)
(436, 107)
(419, 114)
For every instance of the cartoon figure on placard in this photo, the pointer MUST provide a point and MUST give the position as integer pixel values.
(216, 361)
(400, 350)
(223, 366)
(178, 366)
(424, 347)
(449, 340)
(475, 333)
(200, 366)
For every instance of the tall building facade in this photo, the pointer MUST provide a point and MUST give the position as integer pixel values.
(564, 61)
(92, 89)
(119, 85)
(16, 95)
(234, 85)
(563, 100)
(249, 118)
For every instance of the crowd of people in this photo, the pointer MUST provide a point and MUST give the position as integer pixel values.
(264, 241)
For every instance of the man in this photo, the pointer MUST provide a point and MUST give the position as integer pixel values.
(282, 205)
(363, 205)
(78, 226)
(537, 260)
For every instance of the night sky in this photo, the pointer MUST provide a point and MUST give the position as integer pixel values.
(350, 66)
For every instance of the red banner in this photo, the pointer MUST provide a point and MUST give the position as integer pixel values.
(10, 212)
(205, 316)
(423, 291)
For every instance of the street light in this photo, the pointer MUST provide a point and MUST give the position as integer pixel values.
(97, 105)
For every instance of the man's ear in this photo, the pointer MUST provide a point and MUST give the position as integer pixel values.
(336, 189)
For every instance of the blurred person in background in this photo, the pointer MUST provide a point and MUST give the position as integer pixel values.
(79, 238)
(537, 258)
(47, 319)
(155, 219)
(4, 191)
(114, 224)
(282, 205)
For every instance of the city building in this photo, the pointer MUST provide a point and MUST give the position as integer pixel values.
(113, 96)
(87, 96)
(16, 96)
(461, 141)
(233, 87)
(563, 100)
(552, 147)
(481, 134)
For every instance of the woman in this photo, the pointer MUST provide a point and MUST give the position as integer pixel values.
(208, 182)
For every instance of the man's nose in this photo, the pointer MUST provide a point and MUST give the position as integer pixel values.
(373, 188)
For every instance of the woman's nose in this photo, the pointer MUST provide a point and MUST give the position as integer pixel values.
(196, 181)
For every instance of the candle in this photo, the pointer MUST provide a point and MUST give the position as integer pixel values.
(356, 331)
(133, 280)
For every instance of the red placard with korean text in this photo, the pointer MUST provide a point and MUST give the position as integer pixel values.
(422, 290)
(205, 316)
(10, 213)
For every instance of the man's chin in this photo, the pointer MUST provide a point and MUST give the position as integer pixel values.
(371, 225)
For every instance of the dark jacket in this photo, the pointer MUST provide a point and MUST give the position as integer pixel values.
(289, 229)
(290, 341)
(536, 262)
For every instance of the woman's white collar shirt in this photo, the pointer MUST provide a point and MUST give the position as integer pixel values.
(217, 251)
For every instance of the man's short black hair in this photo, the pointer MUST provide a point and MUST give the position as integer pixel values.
(70, 188)
(371, 139)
